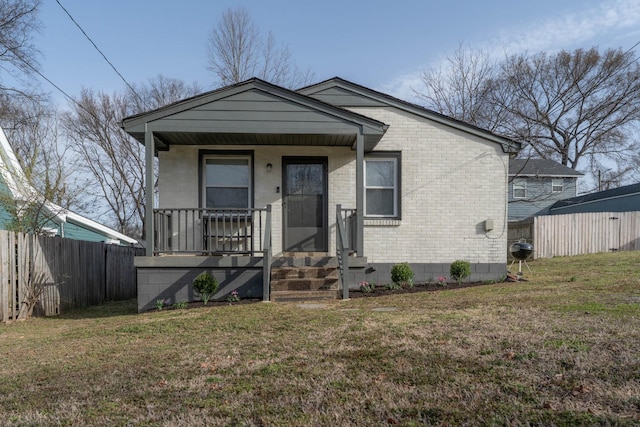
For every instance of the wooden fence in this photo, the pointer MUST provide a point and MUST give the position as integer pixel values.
(580, 233)
(72, 273)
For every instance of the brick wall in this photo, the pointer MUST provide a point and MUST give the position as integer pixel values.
(451, 183)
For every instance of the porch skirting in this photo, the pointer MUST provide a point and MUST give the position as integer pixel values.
(170, 277)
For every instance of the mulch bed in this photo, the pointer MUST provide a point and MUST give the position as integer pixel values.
(424, 287)
(378, 291)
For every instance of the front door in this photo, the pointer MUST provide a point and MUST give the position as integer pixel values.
(305, 204)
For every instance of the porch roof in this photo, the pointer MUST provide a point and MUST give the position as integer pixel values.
(254, 112)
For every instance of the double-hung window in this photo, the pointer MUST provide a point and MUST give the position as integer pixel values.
(556, 185)
(382, 186)
(519, 188)
(227, 182)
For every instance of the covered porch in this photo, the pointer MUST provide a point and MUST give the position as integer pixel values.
(246, 174)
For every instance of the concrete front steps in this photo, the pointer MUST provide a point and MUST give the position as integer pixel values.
(305, 277)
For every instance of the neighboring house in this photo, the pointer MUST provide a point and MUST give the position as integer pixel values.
(253, 177)
(536, 184)
(621, 199)
(57, 221)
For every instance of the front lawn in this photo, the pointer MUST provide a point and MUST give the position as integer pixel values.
(560, 349)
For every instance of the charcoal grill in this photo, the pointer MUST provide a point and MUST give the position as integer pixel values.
(521, 251)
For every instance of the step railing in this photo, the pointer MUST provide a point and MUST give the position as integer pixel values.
(345, 238)
(267, 254)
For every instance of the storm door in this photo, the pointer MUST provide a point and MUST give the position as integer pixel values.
(305, 204)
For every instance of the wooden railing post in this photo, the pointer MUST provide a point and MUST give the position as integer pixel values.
(342, 252)
(266, 258)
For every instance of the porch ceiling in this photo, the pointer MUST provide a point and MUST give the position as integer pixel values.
(165, 139)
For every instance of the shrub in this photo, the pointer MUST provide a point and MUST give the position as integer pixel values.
(460, 270)
(402, 274)
(206, 285)
(394, 286)
(160, 303)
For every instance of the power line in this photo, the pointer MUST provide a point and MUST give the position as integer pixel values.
(101, 53)
(633, 47)
(71, 98)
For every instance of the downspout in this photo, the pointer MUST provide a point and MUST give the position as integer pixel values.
(148, 218)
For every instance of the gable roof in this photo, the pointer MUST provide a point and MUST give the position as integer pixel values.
(253, 112)
(541, 168)
(598, 196)
(20, 189)
(344, 93)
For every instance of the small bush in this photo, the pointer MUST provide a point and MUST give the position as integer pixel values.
(402, 274)
(206, 285)
(460, 270)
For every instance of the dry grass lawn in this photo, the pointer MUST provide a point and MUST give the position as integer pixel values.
(561, 349)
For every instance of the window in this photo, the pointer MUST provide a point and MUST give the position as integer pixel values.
(556, 185)
(382, 187)
(227, 182)
(519, 188)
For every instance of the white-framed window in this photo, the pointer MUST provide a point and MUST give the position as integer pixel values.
(519, 188)
(556, 185)
(382, 186)
(226, 181)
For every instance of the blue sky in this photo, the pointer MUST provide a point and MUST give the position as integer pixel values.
(380, 44)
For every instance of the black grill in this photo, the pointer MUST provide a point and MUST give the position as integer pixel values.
(521, 251)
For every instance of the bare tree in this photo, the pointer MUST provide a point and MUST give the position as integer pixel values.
(158, 92)
(573, 105)
(113, 159)
(578, 108)
(237, 51)
(43, 180)
(18, 56)
(462, 88)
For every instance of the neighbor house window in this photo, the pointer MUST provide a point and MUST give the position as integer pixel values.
(519, 188)
(556, 185)
(382, 186)
(227, 182)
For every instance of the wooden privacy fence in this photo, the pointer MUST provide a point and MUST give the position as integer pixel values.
(71, 273)
(579, 233)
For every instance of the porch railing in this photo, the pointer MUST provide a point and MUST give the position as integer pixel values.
(345, 243)
(210, 231)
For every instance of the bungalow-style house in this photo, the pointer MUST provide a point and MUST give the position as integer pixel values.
(621, 199)
(57, 221)
(286, 194)
(536, 184)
